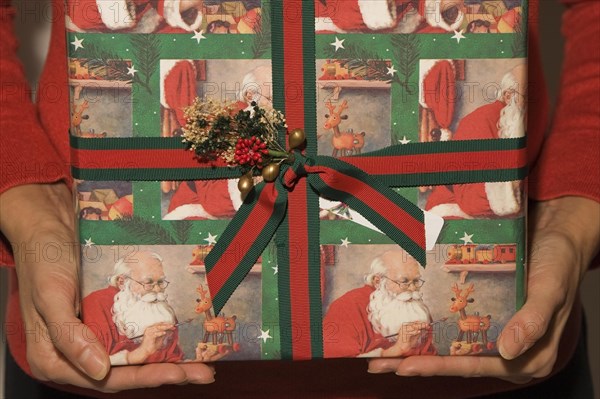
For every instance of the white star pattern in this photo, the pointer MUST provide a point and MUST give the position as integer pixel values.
(198, 36)
(404, 140)
(275, 269)
(467, 238)
(264, 335)
(338, 44)
(78, 43)
(131, 70)
(345, 242)
(211, 239)
(89, 242)
(391, 70)
(458, 35)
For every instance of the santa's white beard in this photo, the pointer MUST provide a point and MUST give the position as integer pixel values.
(133, 313)
(388, 311)
(512, 120)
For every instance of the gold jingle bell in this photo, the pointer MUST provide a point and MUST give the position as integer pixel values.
(297, 138)
(245, 185)
(270, 172)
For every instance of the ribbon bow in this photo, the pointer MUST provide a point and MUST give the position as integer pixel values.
(261, 214)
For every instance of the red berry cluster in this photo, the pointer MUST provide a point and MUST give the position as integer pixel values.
(250, 151)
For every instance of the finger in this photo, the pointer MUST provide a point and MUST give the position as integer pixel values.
(531, 323)
(165, 326)
(199, 373)
(68, 334)
(130, 377)
(452, 366)
(383, 365)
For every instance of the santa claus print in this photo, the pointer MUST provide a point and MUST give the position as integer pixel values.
(181, 81)
(386, 16)
(386, 316)
(483, 117)
(417, 16)
(163, 16)
(140, 301)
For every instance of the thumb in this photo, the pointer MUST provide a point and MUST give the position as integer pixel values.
(525, 328)
(530, 324)
(76, 341)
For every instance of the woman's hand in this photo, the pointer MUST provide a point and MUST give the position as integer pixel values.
(38, 220)
(564, 237)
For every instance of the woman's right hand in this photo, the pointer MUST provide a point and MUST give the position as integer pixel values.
(38, 220)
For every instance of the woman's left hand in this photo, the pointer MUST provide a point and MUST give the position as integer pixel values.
(564, 237)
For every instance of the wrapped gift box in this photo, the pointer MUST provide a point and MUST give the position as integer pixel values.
(398, 205)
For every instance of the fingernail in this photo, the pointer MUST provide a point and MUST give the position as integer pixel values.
(508, 355)
(380, 367)
(92, 364)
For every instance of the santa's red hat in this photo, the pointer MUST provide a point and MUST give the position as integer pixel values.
(438, 92)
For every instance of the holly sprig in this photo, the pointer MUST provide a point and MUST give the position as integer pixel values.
(243, 138)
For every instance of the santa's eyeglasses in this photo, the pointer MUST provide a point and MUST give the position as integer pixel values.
(162, 284)
(418, 283)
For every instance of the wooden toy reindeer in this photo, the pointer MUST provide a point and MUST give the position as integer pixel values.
(79, 117)
(473, 324)
(348, 142)
(215, 326)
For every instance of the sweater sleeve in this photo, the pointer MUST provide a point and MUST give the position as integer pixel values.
(569, 162)
(28, 155)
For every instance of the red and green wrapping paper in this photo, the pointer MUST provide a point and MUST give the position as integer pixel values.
(407, 106)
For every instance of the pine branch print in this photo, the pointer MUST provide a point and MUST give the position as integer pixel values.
(145, 232)
(182, 230)
(146, 50)
(100, 61)
(262, 33)
(519, 46)
(406, 50)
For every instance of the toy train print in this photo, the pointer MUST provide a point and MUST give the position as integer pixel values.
(481, 254)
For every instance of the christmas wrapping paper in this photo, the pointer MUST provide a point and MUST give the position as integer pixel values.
(421, 102)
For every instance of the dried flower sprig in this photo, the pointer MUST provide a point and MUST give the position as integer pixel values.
(242, 138)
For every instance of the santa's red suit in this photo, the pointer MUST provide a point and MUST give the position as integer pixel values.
(140, 16)
(206, 199)
(381, 15)
(96, 311)
(347, 331)
(178, 86)
(465, 201)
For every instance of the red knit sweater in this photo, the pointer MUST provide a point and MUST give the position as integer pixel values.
(35, 148)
